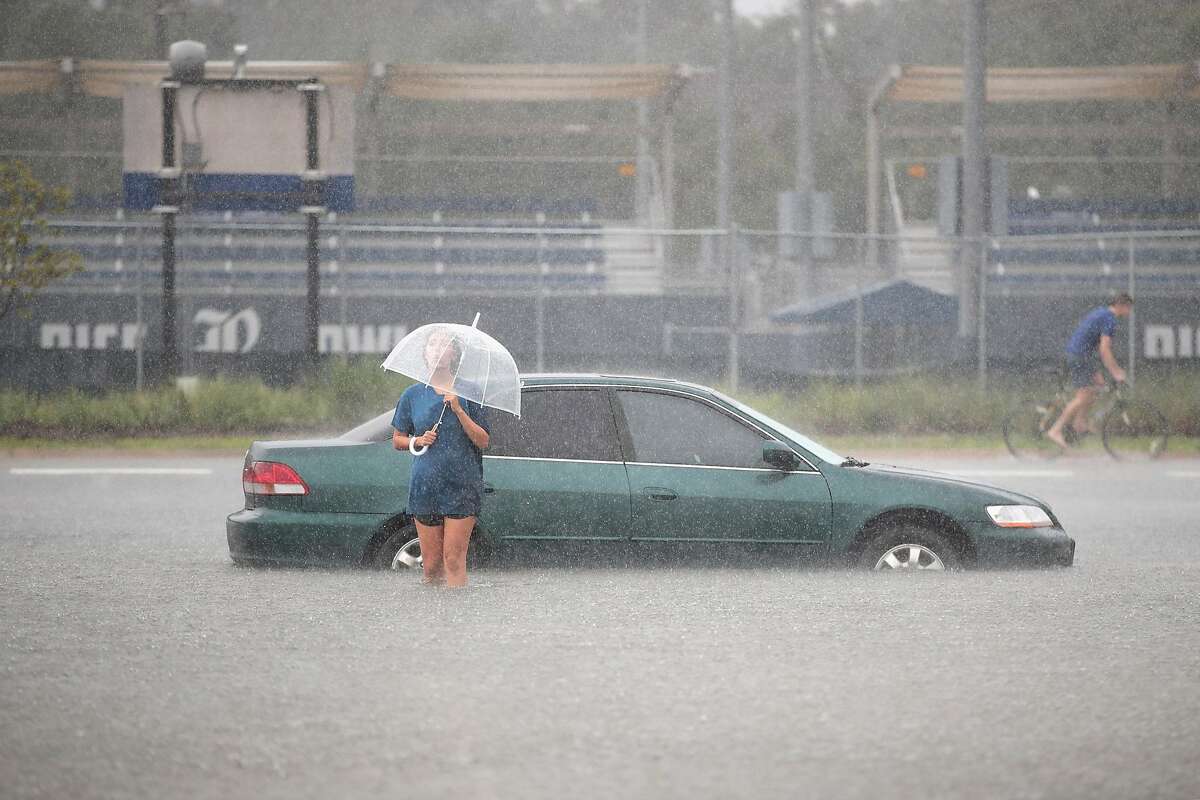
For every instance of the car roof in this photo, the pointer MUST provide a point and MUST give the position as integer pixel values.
(603, 379)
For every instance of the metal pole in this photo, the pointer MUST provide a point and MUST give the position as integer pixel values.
(668, 167)
(342, 288)
(161, 46)
(540, 304)
(973, 157)
(874, 161)
(858, 313)
(643, 122)
(981, 378)
(804, 156)
(731, 244)
(1132, 314)
(725, 116)
(139, 380)
(169, 197)
(725, 16)
(312, 208)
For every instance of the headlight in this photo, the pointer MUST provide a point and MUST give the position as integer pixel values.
(1019, 516)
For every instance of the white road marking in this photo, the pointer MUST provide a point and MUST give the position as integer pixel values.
(1014, 473)
(1179, 474)
(57, 471)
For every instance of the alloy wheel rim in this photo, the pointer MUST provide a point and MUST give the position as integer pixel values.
(408, 556)
(909, 557)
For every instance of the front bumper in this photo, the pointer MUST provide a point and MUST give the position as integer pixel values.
(1037, 547)
(276, 536)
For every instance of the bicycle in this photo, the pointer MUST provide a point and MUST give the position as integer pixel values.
(1131, 428)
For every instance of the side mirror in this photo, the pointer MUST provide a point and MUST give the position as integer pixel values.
(779, 456)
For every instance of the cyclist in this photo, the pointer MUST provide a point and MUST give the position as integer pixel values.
(1093, 335)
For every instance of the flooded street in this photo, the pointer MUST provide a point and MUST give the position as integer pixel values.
(137, 661)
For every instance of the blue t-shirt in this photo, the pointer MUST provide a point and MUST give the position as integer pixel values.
(1099, 322)
(448, 477)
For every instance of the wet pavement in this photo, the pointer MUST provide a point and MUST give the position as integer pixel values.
(137, 661)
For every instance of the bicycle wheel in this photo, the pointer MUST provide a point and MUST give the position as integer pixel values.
(1025, 430)
(1135, 431)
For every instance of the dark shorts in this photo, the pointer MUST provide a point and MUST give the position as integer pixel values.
(436, 520)
(1083, 370)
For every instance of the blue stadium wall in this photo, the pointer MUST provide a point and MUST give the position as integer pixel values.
(87, 341)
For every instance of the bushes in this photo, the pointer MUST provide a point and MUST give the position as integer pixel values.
(935, 405)
(343, 394)
(905, 406)
(333, 399)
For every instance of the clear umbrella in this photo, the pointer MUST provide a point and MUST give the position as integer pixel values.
(482, 369)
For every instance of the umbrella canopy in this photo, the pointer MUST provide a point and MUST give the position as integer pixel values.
(484, 371)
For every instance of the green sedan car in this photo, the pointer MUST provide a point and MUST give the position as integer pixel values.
(623, 465)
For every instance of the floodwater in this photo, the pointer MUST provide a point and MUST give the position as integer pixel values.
(137, 661)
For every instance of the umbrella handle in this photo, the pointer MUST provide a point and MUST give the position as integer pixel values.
(417, 449)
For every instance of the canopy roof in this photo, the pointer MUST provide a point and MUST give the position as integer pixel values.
(488, 82)
(915, 84)
(892, 302)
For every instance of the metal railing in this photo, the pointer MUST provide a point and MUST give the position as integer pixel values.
(752, 283)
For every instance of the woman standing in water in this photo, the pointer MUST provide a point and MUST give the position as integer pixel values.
(445, 489)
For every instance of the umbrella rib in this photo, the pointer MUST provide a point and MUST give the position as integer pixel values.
(486, 376)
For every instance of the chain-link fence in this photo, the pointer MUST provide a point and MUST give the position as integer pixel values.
(710, 304)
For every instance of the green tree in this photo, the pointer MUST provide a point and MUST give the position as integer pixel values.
(28, 267)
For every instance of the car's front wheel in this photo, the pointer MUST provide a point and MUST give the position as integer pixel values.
(910, 547)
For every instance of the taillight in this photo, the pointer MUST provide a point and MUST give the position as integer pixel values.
(271, 477)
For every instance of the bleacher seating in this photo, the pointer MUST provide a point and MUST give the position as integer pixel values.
(423, 244)
(1080, 243)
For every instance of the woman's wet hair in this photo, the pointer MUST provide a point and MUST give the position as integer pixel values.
(450, 344)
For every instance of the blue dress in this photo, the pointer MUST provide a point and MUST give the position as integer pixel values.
(448, 477)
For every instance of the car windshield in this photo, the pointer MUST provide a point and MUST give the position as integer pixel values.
(819, 450)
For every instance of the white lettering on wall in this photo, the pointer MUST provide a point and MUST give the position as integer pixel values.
(226, 331)
(219, 331)
(101, 336)
(359, 338)
(55, 336)
(1165, 341)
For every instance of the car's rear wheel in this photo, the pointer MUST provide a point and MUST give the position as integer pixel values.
(400, 551)
(910, 547)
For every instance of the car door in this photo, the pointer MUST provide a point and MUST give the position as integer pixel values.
(697, 474)
(557, 472)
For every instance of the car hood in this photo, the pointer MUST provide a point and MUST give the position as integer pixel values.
(950, 480)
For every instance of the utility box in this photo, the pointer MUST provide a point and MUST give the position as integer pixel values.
(794, 215)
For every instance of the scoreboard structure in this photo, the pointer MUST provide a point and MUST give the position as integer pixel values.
(235, 144)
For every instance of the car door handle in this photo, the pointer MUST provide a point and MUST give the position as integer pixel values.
(488, 488)
(659, 494)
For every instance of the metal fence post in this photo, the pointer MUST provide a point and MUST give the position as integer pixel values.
(731, 250)
(1132, 314)
(340, 266)
(859, 263)
(139, 380)
(543, 266)
(981, 333)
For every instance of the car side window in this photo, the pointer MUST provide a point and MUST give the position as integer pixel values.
(573, 424)
(669, 429)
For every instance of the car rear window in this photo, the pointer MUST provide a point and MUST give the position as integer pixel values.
(670, 429)
(573, 424)
(376, 429)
